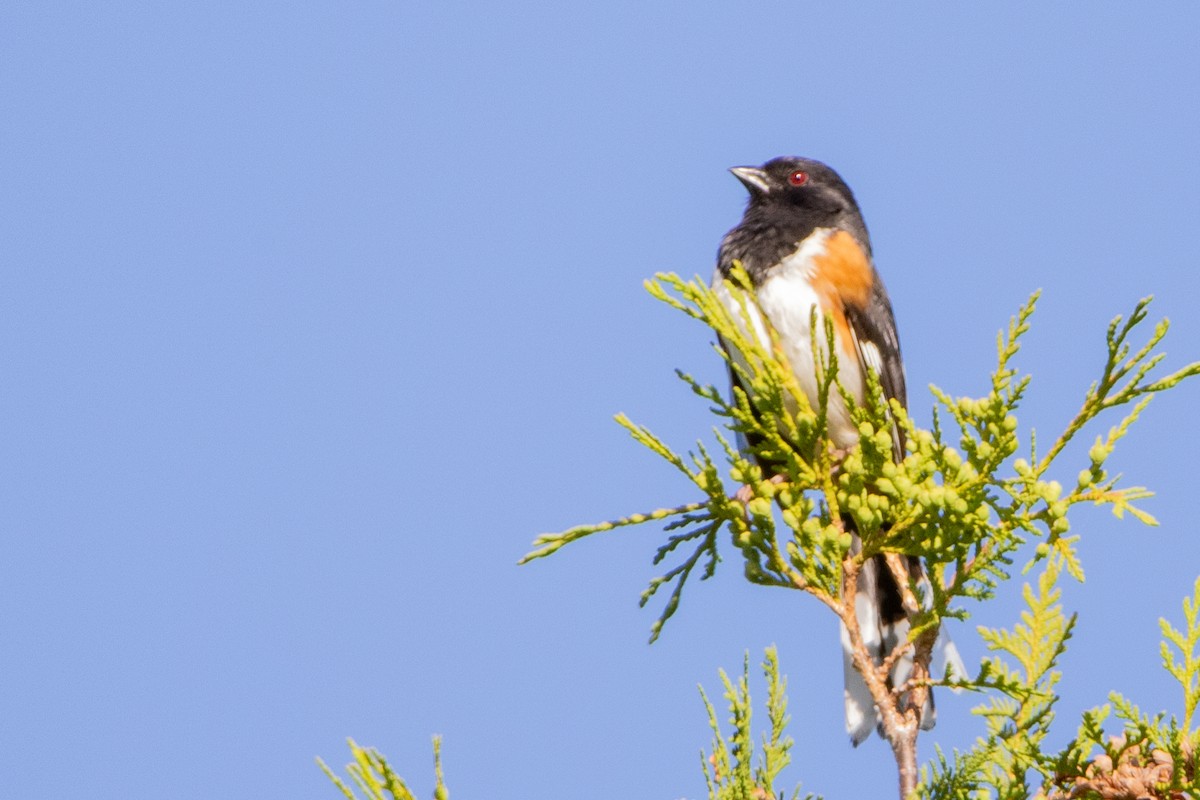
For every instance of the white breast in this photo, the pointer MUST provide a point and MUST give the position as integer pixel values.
(787, 299)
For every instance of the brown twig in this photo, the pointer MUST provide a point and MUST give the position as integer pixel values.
(899, 726)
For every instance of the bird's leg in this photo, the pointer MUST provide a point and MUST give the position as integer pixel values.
(836, 456)
(746, 493)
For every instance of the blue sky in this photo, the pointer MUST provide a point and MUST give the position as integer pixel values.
(312, 317)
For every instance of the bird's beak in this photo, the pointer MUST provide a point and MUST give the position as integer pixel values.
(753, 178)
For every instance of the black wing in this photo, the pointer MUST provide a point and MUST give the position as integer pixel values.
(878, 346)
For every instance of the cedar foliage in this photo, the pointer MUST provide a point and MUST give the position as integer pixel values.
(967, 498)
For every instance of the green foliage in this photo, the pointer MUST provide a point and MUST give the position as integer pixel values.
(961, 496)
(964, 498)
(371, 773)
(1152, 756)
(1019, 712)
(1186, 672)
(948, 500)
(730, 770)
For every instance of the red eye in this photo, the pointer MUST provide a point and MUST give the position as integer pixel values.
(798, 178)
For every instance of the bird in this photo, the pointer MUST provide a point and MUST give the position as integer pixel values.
(804, 245)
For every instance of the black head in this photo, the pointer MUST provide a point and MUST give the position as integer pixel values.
(795, 196)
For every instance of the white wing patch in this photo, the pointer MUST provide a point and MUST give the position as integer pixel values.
(870, 356)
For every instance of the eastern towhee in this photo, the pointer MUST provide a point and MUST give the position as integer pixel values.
(803, 244)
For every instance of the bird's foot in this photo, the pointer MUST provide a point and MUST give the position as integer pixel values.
(746, 493)
(837, 455)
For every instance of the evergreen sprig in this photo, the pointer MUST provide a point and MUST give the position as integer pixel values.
(732, 771)
(370, 773)
(1152, 756)
(1019, 710)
